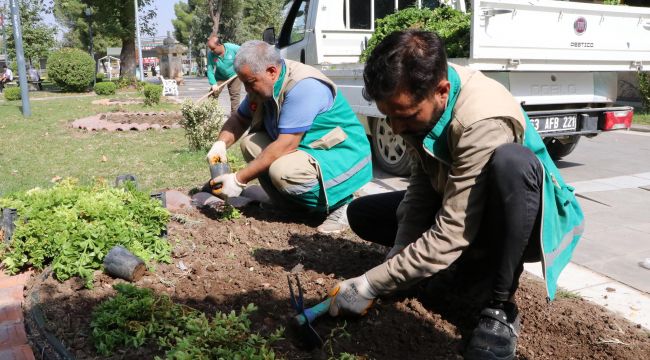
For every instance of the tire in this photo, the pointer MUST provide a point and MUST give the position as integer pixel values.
(560, 148)
(388, 149)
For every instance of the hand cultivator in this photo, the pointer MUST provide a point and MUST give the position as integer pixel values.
(300, 324)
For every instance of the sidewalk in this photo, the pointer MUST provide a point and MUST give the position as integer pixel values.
(13, 338)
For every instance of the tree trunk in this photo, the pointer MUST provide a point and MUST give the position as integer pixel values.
(127, 58)
(215, 14)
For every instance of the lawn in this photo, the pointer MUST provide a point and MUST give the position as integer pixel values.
(641, 118)
(35, 150)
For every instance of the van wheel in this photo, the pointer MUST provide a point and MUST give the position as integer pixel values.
(389, 149)
(560, 148)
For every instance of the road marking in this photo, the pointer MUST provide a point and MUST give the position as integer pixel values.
(612, 183)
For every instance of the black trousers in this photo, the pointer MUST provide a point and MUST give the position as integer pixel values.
(508, 234)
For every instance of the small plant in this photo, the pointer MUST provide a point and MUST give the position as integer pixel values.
(152, 94)
(451, 25)
(338, 332)
(202, 123)
(71, 69)
(73, 227)
(105, 88)
(612, 2)
(567, 294)
(138, 316)
(12, 93)
(100, 77)
(229, 212)
(644, 89)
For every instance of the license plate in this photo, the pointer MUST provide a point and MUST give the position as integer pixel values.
(554, 123)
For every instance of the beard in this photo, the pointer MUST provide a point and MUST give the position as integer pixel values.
(426, 128)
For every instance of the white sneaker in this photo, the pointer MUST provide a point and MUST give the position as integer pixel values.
(336, 222)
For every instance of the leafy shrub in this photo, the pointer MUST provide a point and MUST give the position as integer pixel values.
(12, 93)
(202, 123)
(644, 89)
(73, 227)
(100, 77)
(152, 94)
(451, 25)
(105, 88)
(138, 316)
(71, 69)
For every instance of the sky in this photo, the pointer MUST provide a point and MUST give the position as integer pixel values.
(163, 21)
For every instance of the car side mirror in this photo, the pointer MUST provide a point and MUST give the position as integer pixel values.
(268, 36)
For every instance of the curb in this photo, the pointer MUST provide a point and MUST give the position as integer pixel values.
(14, 343)
(640, 128)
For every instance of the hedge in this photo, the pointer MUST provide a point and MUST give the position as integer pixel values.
(71, 69)
(12, 93)
(152, 94)
(105, 88)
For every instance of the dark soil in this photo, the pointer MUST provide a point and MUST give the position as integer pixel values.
(162, 118)
(229, 264)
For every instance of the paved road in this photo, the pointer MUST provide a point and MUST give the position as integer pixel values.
(194, 88)
(611, 173)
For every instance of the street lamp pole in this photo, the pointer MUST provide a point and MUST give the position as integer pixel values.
(4, 35)
(20, 58)
(89, 12)
(190, 51)
(137, 33)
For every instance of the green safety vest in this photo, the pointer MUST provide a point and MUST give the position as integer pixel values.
(562, 218)
(344, 168)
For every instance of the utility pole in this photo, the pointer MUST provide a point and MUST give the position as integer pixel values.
(137, 33)
(4, 33)
(89, 12)
(190, 51)
(20, 57)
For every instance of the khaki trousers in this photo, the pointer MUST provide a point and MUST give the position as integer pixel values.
(289, 178)
(234, 90)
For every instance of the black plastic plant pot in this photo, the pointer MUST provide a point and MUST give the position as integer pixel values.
(8, 223)
(160, 196)
(120, 180)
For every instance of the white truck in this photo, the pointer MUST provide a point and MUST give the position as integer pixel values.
(560, 59)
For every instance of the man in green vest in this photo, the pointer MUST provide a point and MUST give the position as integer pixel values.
(483, 196)
(220, 69)
(304, 142)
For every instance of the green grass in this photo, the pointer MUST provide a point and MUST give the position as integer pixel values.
(567, 294)
(641, 118)
(35, 150)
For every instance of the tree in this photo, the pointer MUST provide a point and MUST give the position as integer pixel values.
(112, 18)
(258, 16)
(239, 20)
(70, 15)
(38, 38)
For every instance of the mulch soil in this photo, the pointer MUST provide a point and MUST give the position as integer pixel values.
(162, 118)
(224, 265)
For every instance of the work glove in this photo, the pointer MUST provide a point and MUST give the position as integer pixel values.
(218, 152)
(353, 296)
(214, 87)
(396, 249)
(230, 187)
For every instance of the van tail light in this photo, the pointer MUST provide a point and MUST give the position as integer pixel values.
(618, 119)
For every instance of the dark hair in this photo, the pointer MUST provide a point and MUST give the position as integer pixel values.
(410, 60)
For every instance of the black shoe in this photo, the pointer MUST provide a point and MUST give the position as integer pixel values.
(495, 336)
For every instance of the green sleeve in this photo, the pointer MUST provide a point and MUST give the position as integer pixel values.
(211, 78)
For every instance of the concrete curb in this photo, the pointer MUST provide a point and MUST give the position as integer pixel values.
(641, 128)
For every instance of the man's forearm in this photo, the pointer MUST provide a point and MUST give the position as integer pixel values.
(233, 129)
